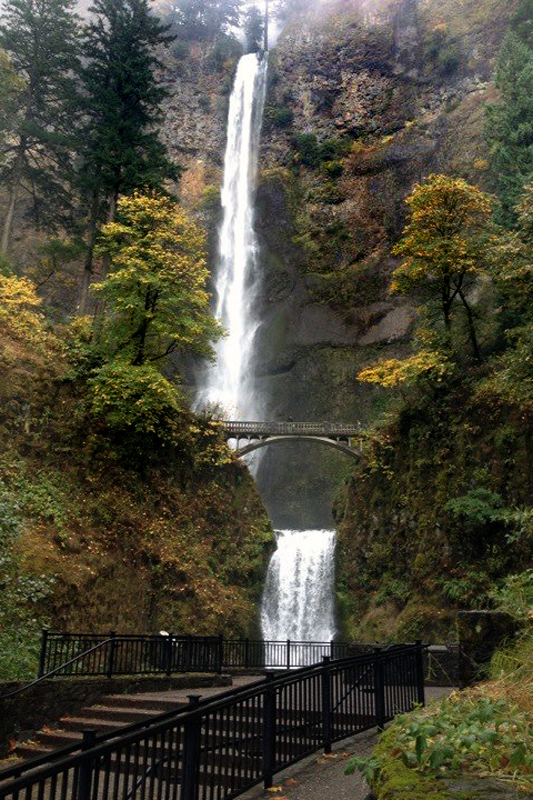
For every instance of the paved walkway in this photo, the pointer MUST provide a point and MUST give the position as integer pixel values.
(322, 777)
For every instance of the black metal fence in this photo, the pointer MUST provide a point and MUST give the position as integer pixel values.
(217, 749)
(111, 654)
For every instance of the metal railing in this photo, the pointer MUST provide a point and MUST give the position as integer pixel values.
(219, 748)
(327, 429)
(109, 654)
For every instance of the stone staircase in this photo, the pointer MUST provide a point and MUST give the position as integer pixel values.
(111, 713)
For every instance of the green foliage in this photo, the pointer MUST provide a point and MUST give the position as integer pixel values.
(476, 509)
(442, 52)
(254, 29)
(22, 597)
(41, 40)
(509, 129)
(313, 153)
(515, 595)
(522, 22)
(10, 87)
(155, 293)
(135, 399)
(118, 146)
(204, 19)
(461, 734)
(280, 116)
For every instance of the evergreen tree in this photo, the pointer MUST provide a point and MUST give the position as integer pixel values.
(41, 39)
(522, 22)
(509, 129)
(120, 149)
(254, 28)
(10, 88)
(205, 19)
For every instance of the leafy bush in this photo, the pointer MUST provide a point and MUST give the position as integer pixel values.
(313, 153)
(280, 117)
(135, 398)
(22, 598)
(476, 509)
(463, 733)
(515, 595)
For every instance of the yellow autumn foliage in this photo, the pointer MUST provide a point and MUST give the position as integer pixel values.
(394, 371)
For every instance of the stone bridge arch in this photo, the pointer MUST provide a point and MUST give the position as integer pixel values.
(261, 434)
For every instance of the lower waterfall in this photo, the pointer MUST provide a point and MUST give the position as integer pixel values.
(298, 598)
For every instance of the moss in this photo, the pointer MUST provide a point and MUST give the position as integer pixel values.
(395, 781)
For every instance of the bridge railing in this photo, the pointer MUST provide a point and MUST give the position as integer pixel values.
(327, 429)
(219, 748)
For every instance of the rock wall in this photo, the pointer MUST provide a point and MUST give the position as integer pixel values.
(363, 101)
(360, 106)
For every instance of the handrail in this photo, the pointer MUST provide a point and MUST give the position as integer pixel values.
(245, 692)
(104, 756)
(56, 670)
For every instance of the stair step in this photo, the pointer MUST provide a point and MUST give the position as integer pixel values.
(156, 705)
(88, 723)
(122, 715)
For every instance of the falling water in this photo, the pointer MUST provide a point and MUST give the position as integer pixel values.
(298, 595)
(228, 383)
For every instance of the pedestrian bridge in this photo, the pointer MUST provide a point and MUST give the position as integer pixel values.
(256, 435)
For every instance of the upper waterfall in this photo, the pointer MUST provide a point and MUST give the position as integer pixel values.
(227, 382)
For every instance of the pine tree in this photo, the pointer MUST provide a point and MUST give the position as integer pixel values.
(254, 28)
(10, 88)
(41, 39)
(119, 146)
(509, 129)
(206, 19)
(522, 22)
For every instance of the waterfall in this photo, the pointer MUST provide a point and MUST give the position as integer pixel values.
(298, 595)
(228, 383)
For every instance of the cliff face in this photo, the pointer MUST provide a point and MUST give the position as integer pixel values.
(363, 101)
(361, 105)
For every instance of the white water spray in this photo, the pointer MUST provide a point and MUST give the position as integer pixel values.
(228, 383)
(298, 596)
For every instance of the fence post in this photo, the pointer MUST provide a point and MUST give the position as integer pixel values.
(111, 656)
(326, 704)
(379, 689)
(332, 649)
(188, 653)
(246, 653)
(288, 653)
(85, 775)
(42, 657)
(220, 654)
(420, 683)
(269, 732)
(191, 753)
(169, 658)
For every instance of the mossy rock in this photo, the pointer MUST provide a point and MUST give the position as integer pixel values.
(398, 782)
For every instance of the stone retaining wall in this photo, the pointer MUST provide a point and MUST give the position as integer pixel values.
(47, 702)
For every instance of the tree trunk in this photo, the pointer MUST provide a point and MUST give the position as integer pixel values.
(12, 198)
(471, 327)
(88, 269)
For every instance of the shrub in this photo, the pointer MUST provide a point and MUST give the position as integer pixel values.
(280, 117)
(135, 398)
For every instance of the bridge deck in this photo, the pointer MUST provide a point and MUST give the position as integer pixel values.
(327, 429)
